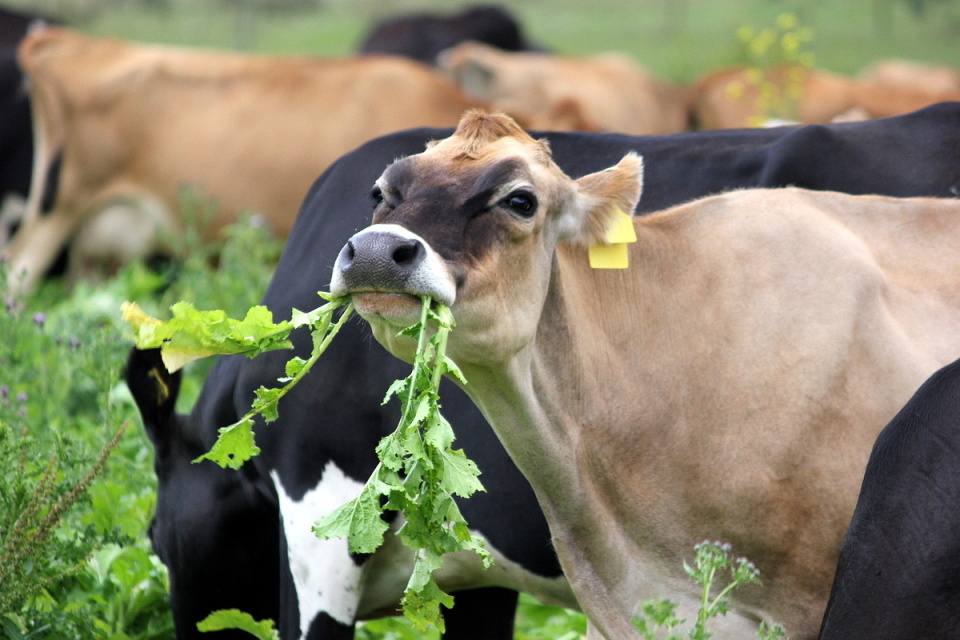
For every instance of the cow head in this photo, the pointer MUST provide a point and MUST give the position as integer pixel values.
(474, 222)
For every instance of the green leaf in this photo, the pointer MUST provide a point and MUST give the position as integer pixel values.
(234, 445)
(192, 334)
(265, 402)
(396, 389)
(358, 520)
(438, 432)
(460, 474)
(236, 619)
(293, 368)
(422, 607)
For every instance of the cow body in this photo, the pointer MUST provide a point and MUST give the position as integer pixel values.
(606, 92)
(897, 574)
(138, 123)
(334, 415)
(735, 97)
(422, 36)
(727, 386)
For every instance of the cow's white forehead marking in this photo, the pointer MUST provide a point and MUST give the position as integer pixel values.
(325, 576)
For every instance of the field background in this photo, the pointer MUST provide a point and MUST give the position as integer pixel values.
(119, 590)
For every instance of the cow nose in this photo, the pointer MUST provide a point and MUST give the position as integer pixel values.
(379, 261)
(383, 249)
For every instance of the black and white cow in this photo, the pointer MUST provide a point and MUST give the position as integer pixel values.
(898, 577)
(322, 448)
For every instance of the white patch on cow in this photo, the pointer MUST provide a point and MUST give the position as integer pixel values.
(328, 581)
(325, 576)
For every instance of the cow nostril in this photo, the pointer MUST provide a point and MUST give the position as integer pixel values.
(345, 259)
(407, 253)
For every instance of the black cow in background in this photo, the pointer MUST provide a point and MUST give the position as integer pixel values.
(322, 447)
(422, 36)
(898, 577)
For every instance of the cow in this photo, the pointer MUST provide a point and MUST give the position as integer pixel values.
(742, 97)
(16, 143)
(16, 129)
(606, 92)
(348, 383)
(236, 512)
(421, 36)
(897, 574)
(727, 386)
(915, 76)
(15, 24)
(137, 123)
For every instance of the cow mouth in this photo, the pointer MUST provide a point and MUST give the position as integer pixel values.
(398, 309)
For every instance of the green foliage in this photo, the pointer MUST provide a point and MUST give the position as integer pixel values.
(712, 560)
(75, 561)
(60, 425)
(235, 619)
(193, 334)
(418, 475)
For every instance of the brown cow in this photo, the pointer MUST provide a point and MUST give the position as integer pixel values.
(607, 92)
(915, 76)
(745, 97)
(135, 123)
(727, 386)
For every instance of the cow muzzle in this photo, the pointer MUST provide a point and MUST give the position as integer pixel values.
(386, 268)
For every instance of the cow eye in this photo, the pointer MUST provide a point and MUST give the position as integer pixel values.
(376, 194)
(523, 203)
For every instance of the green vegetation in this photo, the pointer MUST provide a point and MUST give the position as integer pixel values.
(77, 488)
(712, 560)
(418, 473)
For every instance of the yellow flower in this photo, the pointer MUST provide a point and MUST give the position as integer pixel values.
(786, 21)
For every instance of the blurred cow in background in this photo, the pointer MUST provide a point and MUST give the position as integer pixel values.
(137, 123)
(746, 97)
(606, 92)
(16, 128)
(913, 76)
(422, 36)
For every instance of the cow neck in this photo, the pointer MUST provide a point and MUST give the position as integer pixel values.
(558, 389)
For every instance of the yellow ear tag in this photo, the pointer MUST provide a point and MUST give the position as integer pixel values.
(615, 255)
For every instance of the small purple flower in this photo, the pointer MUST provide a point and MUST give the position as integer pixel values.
(4, 393)
(22, 397)
(11, 304)
(40, 319)
(75, 342)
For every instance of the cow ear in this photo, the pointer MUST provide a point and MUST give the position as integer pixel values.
(603, 194)
(470, 68)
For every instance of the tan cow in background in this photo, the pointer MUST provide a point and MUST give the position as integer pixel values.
(914, 76)
(136, 123)
(748, 97)
(606, 92)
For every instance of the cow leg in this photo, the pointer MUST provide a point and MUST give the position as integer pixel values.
(481, 614)
(35, 247)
